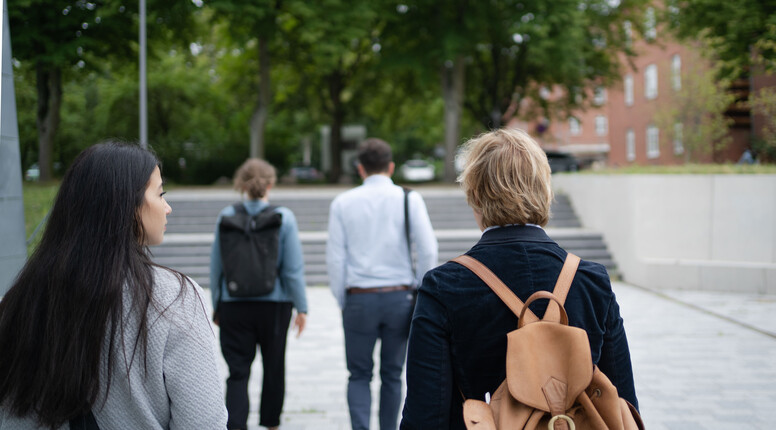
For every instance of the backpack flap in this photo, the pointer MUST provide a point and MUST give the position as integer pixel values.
(266, 220)
(238, 222)
(249, 251)
(548, 365)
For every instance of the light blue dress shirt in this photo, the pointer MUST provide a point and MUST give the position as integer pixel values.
(290, 283)
(367, 247)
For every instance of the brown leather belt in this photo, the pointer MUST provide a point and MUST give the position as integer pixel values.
(357, 290)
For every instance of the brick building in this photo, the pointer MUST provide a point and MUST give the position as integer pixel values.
(620, 127)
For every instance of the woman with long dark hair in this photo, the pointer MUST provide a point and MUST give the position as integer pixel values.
(92, 326)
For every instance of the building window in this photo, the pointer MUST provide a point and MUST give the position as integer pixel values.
(628, 90)
(601, 126)
(630, 145)
(650, 22)
(650, 82)
(678, 138)
(599, 96)
(676, 72)
(627, 28)
(653, 142)
(574, 127)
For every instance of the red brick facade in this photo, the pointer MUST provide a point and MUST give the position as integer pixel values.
(622, 132)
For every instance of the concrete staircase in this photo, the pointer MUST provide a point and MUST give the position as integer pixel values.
(190, 230)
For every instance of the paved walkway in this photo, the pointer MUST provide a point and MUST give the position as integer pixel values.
(701, 360)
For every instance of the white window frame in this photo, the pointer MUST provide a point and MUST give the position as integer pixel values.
(653, 141)
(601, 125)
(628, 83)
(599, 96)
(627, 28)
(630, 145)
(678, 138)
(676, 72)
(650, 24)
(650, 82)
(575, 128)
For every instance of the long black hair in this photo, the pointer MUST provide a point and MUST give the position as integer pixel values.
(69, 296)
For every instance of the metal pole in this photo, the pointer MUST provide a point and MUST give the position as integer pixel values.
(143, 90)
(13, 252)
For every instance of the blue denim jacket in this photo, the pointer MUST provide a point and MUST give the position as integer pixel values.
(457, 344)
(290, 283)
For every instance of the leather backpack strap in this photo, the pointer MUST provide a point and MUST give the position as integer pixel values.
(491, 280)
(562, 286)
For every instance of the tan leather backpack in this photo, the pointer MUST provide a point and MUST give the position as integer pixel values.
(551, 382)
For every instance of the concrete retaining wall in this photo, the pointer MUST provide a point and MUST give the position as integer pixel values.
(701, 232)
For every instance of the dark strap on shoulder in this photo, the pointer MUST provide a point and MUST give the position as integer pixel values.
(407, 228)
(239, 208)
(509, 298)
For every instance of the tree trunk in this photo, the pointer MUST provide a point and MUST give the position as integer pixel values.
(49, 82)
(337, 118)
(452, 92)
(260, 114)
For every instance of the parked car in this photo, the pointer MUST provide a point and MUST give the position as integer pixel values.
(303, 173)
(33, 173)
(417, 170)
(562, 161)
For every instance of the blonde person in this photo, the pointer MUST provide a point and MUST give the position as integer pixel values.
(263, 320)
(92, 330)
(458, 340)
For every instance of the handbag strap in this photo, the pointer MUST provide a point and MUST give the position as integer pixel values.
(562, 285)
(407, 231)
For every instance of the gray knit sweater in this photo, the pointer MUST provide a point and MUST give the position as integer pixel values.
(180, 388)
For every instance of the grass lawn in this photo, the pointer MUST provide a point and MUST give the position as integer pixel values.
(38, 199)
(690, 169)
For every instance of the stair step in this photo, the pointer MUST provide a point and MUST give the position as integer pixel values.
(451, 218)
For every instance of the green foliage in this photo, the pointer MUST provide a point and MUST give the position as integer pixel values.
(375, 63)
(57, 34)
(38, 199)
(700, 107)
(731, 28)
(763, 103)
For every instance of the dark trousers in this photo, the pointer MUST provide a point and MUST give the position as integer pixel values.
(243, 325)
(367, 317)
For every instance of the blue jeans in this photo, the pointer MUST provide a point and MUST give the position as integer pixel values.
(367, 317)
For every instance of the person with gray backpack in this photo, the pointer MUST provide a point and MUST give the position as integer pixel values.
(256, 280)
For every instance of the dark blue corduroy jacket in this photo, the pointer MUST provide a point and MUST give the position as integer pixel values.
(458, 340)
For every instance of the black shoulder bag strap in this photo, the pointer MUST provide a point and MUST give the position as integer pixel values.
(407, 230)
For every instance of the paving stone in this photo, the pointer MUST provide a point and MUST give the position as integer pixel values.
(692, 370)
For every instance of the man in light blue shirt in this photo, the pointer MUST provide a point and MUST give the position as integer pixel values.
(371, 275)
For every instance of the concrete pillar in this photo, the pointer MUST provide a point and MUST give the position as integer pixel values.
(13, 249)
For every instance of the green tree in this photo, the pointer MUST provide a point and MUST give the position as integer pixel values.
(60, 38)
(699, 106)
(253, 24)
(53, 36)
(491, 55)
(333, 55)
(731, 29)
(525, 47)
(763, 104)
